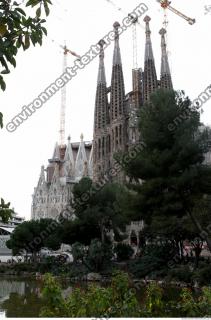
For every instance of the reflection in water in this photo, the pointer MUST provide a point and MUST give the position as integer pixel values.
(2, 314)
(20, 298)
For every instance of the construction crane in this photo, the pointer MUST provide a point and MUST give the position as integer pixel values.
(123, 11)
(63, 95)
(165, 4)
(134, 36)
(63, 103)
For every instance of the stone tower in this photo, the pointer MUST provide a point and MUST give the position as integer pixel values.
(165, 74)
(101, 140)
(150, 75)
(116, 123)
(117, 101)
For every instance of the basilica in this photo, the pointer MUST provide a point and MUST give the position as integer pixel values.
(115, 129)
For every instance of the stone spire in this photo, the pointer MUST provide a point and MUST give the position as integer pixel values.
(42, 179)
(150, 76)
(56, 153)
(117, 80)
(81, 159)
(69, 160)
(165, 74)
(101, 119)
(101, 71)
(69, 152)
(101, 100)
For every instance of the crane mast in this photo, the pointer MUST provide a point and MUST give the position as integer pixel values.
(63, 103)
(165, 4)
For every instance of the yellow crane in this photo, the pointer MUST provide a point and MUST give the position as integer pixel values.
(165, 4)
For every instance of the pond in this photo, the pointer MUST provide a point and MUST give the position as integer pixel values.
(21, 297)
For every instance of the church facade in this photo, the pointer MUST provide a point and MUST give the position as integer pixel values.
(115, 118)
(115, 129)
(68, 165)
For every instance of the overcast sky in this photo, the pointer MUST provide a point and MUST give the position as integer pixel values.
(82, 24)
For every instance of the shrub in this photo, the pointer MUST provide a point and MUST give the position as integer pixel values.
(145, 266)
(116, 300)
(99, 255)
(203, 275)
(181, 273)
(123, 251)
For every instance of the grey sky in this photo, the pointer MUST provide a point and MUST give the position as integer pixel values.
(82, 24)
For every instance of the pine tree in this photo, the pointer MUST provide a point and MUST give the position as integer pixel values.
(171, 179)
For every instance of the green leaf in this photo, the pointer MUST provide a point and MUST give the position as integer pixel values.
(21, 11)
(2, 84)
(1, 120)
(3, 29)
(38, 12)
(5, 71)
(44, 30)
(47, 10)
(27, 42)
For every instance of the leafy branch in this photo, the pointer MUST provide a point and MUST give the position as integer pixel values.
(17, 30)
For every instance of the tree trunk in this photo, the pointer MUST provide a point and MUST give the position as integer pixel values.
(197, 251)
(102, 233)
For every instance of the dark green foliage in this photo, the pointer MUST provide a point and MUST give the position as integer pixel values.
(31, 236)
(176, 184)
(99, 255)
(96, 257)
(203, 275)
(19, 30)
(78, 231)
(1, 120)
(181, 273)
(120, 300)
(145, 266)
(123, 251)
(99, 207)
(153, 261)
(5, 211)
(117, 300)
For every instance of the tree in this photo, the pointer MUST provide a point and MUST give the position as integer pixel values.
(78, 231)
(5, 211)
(123, 251)
(99, 207)
(31, 236)
(174, 180)
(19, 30)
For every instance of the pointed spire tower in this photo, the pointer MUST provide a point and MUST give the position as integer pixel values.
(101, 101)
(150, 76)
(117, 101)
(101, 120)
(81, 160)
(165, 74)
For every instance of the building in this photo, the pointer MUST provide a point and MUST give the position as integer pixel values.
(115, 129)
(115, 119)
(5, 231)
(67, 166)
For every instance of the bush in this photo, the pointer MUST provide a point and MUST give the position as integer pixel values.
(181, 273)
(203, 275)
(99, 255)
(116, 300)
(145, 266)
(119, 300)
(123, 251)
